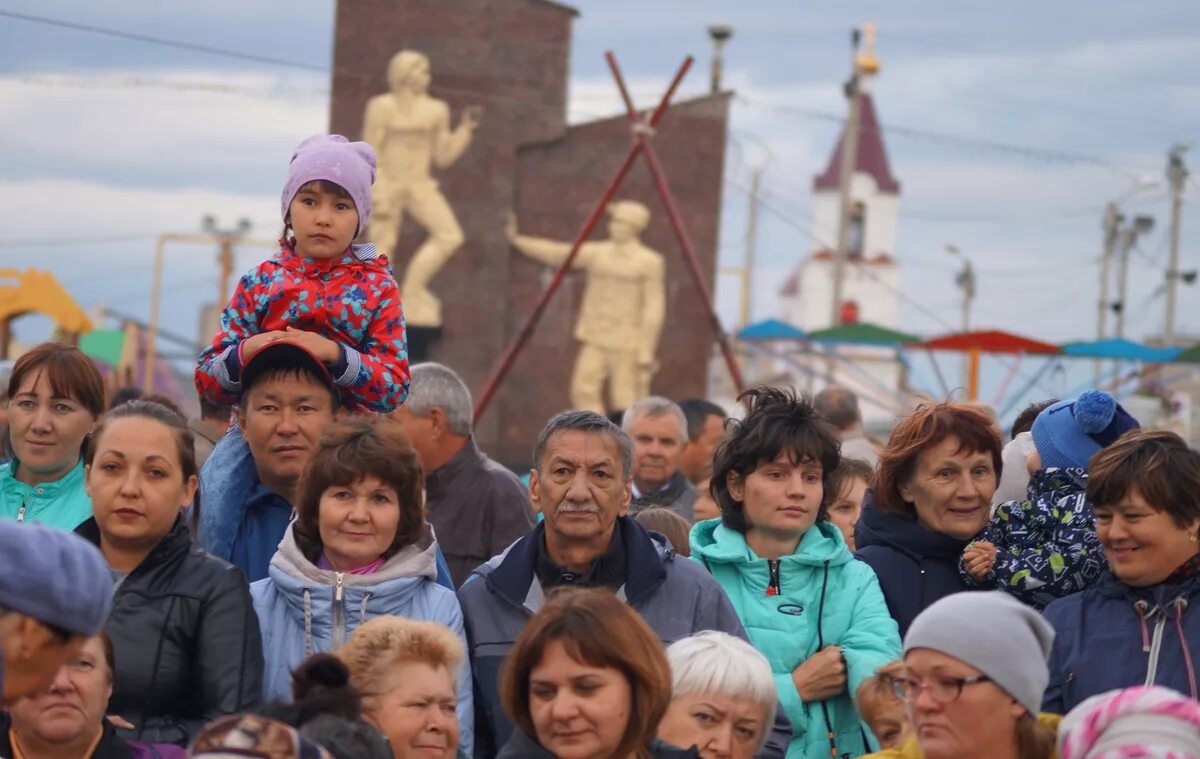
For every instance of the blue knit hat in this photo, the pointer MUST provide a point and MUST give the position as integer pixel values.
(1068, 433)
(55, 577)
(333, 158)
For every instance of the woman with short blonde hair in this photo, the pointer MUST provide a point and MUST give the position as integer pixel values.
(406, 670)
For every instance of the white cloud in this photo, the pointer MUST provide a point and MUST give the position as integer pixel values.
(106, 122)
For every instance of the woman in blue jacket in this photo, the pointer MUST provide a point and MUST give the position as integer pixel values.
(1142, 624)
(359, 548)
(816, 614)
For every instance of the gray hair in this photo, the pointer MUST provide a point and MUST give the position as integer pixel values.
(437, 386)
(585, 421)
(838, 406)
(655, 405)
(717, 662)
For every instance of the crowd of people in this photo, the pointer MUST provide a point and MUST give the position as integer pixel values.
(325, 564)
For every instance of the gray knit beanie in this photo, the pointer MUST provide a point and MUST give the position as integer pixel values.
(994, 633)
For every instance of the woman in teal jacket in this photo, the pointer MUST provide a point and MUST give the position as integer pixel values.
(816, 614)
(55, 396)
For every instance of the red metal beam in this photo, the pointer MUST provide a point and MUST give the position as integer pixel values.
(641, 134)
(505, 362)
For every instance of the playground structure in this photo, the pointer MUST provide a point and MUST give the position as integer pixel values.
(38, 292)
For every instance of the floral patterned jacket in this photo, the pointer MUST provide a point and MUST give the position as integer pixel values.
(353, 300)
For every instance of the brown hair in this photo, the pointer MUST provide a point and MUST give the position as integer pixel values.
(171, 418)
(674, 527)
(598, 629)
(776, 421)
(1034, 740)
(384, 642)
(1158, 464)
(69, 371)
(349, 451)
(924, 428)
(847, 470)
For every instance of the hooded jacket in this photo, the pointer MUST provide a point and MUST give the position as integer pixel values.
(1114, 636)
(186, 641)
(1046, 545)
(915, 566)
(352, 300)
(305, 610)
(795, 606)
(676, 597)
(910, 749)
(63, 503)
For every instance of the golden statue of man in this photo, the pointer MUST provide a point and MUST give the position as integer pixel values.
(624, 303)
(411, 134)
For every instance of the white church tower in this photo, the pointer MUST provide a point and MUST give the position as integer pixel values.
(871, 281)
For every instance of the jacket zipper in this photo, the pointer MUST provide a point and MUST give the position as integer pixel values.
(339, 611)
(774, 588)
(1155, 647)
(21, 513)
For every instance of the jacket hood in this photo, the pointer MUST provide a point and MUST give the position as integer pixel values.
(415, 561)
(717, 543)
(512, 574)
(905, 534)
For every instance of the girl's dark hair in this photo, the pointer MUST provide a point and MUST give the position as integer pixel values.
(321, 685)
(327, 709)
(185, 441)
(776, 421)
(847, 470)
(349, 451)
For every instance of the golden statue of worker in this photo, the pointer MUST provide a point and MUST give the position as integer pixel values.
(624, 303)
(411, 134)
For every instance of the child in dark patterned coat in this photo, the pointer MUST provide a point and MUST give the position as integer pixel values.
(1045, 547)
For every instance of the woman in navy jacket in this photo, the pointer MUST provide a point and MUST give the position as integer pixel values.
(933, 494)
(1142, 624)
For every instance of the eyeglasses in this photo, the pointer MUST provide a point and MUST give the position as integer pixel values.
(942, 689)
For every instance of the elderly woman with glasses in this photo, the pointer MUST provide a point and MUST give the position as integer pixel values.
(974, 676)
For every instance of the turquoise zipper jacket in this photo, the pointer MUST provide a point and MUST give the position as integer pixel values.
(63, 503)
(794, 606)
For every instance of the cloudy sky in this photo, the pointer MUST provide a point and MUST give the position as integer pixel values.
(1009, 125)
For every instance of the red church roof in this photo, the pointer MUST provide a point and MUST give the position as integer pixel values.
(872, 156)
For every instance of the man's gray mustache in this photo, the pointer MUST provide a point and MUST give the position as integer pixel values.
(578, 508)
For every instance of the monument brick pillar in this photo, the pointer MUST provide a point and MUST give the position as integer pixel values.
(511, 57)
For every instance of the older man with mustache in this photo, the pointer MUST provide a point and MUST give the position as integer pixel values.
(582, 483)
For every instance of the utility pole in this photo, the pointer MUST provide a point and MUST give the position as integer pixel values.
(226, 239)
(1112, 223)
(1128, 239)
(1177, 175)
(751, 245)
(965, 279)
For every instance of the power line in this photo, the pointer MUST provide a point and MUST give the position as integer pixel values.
(946, 139)
(152, 40)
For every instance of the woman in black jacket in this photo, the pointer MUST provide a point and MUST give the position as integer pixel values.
(182, 623)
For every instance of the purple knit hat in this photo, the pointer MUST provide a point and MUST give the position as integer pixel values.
(350, 165)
